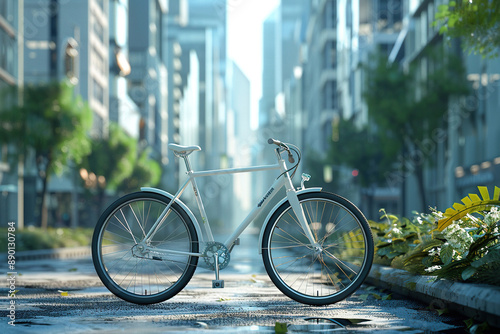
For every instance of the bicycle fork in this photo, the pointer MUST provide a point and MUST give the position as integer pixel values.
(291, 195)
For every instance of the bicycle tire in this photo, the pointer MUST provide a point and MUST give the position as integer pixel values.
(318, 277)
(138, 277)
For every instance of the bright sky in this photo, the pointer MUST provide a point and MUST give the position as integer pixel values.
(244, 42)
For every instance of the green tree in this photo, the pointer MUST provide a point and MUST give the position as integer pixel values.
(110, 162)
(409, 111)
(361, 149)
(146, 172)
(51, 122)
(475, 22)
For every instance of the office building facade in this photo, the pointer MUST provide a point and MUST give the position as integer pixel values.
(122, 109)
(148, 76)
(11, 69)
(59, 44)
(467, 155)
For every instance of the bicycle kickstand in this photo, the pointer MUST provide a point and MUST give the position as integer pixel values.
(217, 283)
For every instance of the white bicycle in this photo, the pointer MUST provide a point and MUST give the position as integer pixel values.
(317, 247)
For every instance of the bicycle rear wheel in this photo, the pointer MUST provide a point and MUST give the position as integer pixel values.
(125, 268)
(318, 276)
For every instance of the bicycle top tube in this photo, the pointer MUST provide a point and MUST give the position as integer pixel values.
(235, 170)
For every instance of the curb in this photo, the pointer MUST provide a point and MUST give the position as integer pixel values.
(478, 301)
(58, 253)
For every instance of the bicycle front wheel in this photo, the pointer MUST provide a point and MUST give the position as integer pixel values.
(133, 272)
(324, 275)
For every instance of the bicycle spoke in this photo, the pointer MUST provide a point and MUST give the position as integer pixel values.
(127, 228)
(283, 247)
(138, 221)
(337, 260)
(329, 275)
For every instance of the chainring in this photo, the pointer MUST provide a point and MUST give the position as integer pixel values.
(222, 252)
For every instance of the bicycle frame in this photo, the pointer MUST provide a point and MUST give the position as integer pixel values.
(147, 245)
(282, 181)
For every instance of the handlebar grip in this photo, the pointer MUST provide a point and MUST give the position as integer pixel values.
(280, 144)
(274, 141)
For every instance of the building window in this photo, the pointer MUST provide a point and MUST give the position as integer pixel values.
(330, 54)
(329, 94)
(100, 3)
(98, 62)
(98, 91)
(8, 10)
(7, 49)
(98, 126)
(330, 15)
(98, 30)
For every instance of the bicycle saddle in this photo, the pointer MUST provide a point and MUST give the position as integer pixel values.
(183, 150)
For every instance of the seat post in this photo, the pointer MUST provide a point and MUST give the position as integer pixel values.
(188, 165)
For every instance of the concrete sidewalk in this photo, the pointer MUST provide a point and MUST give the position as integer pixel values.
(478, 301)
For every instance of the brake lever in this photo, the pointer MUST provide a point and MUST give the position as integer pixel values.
(284, 147)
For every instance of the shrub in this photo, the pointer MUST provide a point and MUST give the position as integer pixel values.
(35, 238)
(466, 246)
(397, 236)
(467, 250)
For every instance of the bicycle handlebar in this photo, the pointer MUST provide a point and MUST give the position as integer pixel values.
(283, 145)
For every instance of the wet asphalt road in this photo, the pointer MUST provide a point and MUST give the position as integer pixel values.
(66, 296)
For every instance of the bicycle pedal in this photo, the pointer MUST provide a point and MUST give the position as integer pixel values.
(217, 284)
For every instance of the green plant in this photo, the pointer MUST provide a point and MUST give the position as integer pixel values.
(469, 251)
(397, 236)
(466, 247)
(463, 246)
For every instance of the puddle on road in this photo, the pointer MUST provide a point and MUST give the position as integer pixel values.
(309, 325)
(320, 325)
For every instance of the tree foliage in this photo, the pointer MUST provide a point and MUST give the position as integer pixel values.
(117, 164)
(113, 157)
(409, 110)
(146, 172)
(51, 122)
(476, 22)
(360, 148)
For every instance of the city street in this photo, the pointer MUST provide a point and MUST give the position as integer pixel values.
(66, 296)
